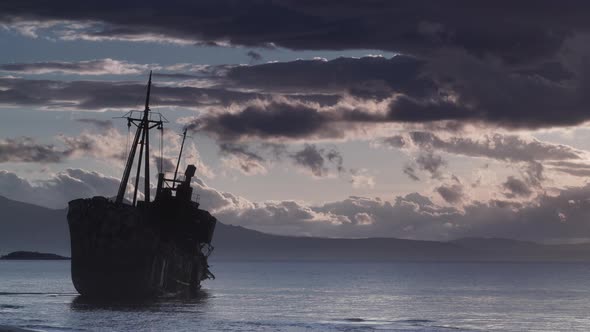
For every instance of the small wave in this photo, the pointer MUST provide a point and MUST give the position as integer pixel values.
(415, 321)
(10, 306)
(355, 320)
(360, 321)
(50, 327)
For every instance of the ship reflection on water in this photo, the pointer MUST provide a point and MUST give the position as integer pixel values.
(172, 303)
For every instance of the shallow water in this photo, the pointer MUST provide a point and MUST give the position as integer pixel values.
(297, 296)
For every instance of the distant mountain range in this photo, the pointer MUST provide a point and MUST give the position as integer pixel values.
(29, 227)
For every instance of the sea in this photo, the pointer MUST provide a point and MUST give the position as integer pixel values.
(318, 296)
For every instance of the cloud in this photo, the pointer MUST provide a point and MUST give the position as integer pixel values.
(475, 89)
(448, 67)
(418, 27)
(452, 85)
(191, 155)
(100, 95)
(575, 169)
(410, 171)
(26, 149)
(431, 163)
(516, 188)
(559, 217)
(452, 194)
(103, 145)
(315, 160)
(333, 98)
(164, 164)
(254, 56)
(435, 91)
(360, 179)
(100, 124)
(265, 120)
(417, 217)
(504, 147)
(426, 161)
(366, 77)
(91, 67)
(241, 158)
(253, 159)
(57, 190)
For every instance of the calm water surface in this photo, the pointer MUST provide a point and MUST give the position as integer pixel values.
(287, 296)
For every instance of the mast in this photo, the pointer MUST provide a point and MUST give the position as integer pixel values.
(143, 128)
(179, 155)
(146, 141)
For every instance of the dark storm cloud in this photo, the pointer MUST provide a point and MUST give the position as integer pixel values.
(516, 31)
(93, 95)
(176, 76)
(418, 91)
(316, 159)
(367, 77)
(411, 110)
(274, 120)
(514, 65)
(451, 86)
(97, 95)
(492, 92)
(456, 88)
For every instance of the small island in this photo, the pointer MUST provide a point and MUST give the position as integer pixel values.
(32, 255)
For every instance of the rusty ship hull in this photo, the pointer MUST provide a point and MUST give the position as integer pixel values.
(120, 250)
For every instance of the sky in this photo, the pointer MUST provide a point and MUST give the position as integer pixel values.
(420, 120)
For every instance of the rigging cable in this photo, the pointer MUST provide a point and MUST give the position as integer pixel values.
(161, 149)
(128, 135)
(127, 152)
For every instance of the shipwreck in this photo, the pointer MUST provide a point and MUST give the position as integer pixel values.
(142, 248)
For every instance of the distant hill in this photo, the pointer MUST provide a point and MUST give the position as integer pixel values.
(32, 255)
(27, 227)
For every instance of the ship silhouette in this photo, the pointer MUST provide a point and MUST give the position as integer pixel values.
(141, 248)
